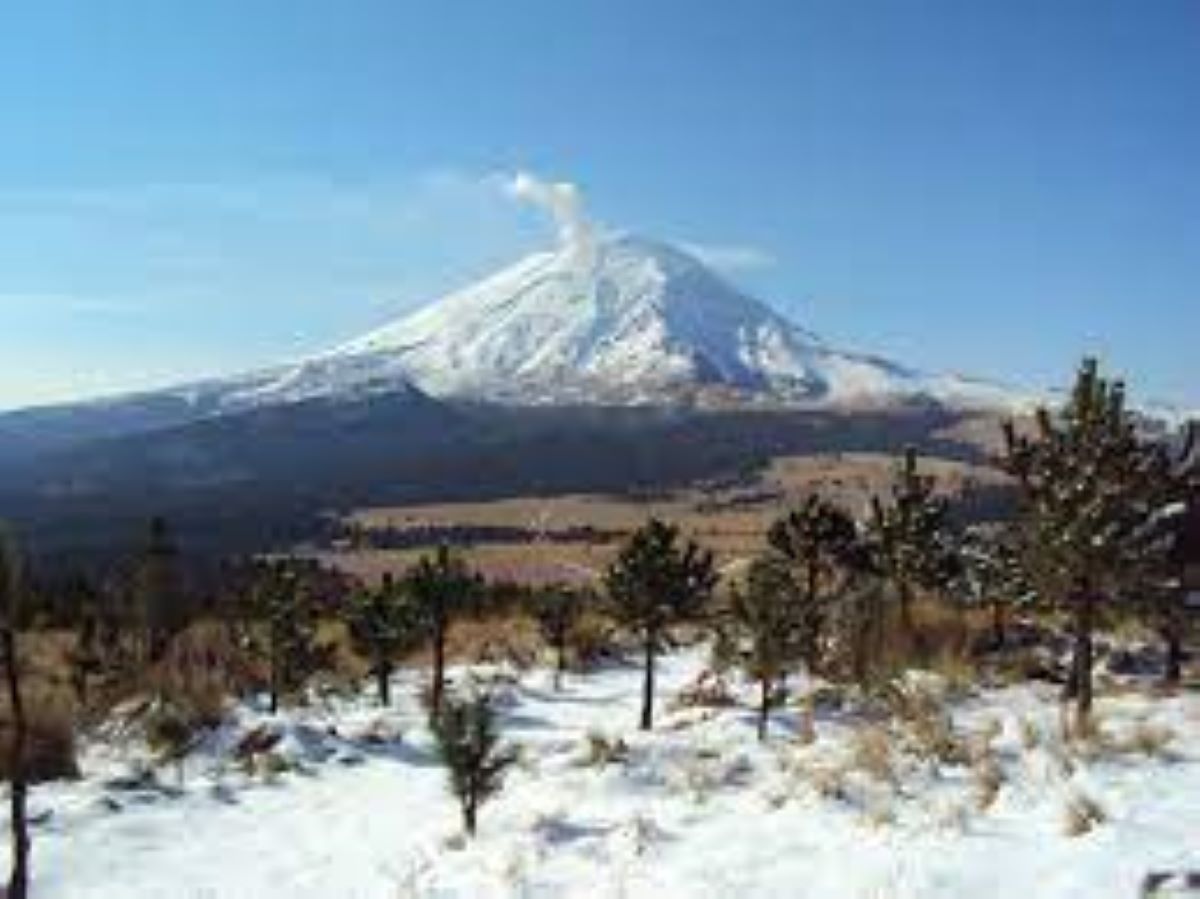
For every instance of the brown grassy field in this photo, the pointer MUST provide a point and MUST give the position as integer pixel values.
(729, 519)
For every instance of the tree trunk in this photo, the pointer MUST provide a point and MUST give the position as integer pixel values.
(1082, 662)
(18, 884)
(439, 671)
(1173, 640)
(999, 625)
(470, 816)
(648, 682)
(764, 707)
(906, 619)
(276, 675)
(383, 680)
(561, 665)
(812, 636)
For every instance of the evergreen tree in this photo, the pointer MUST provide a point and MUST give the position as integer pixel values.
(558, 610)
(911, 538)
(817, 541)
(765, 629)
(440, 586)
(992, 574)
(11, 591)
(1174, 487)
(286, 619)
(469, 745)
(383, 626)
(655, 581)
(158, 602)
(1090, 490)
(87, 657)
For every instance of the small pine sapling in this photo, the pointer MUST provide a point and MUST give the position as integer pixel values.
(468, 742)
(282, 605)
(764, 630)
(657, 580)
(911, 538)
(558, 610)
(440, 586)
(383, 626)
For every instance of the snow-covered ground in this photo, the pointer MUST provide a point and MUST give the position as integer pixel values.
(696, 809)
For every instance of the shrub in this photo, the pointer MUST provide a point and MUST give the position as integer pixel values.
(470, 748)
(50, 749)
(1082, 814)
(602, 751)
(871, 753)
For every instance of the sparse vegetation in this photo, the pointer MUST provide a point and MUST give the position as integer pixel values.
(440, 587)
(470, 748)
(658, 580)
(383, 626)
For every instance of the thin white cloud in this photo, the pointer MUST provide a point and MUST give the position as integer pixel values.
(732, 258)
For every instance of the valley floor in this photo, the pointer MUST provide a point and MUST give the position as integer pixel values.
(356, 805)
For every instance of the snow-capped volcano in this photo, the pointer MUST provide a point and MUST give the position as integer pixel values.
(633, 320)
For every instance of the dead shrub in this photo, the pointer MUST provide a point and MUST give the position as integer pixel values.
(871, 753)
(987, 778)
(593, 641)
(1082, 814)
(827, 781)
(1028, 733)
(50, 749)
(928, 726)
(603, 751)
(259, 741)
(710, 690)
(806, 728)
(1151, 740)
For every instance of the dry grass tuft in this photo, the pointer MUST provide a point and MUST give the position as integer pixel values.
(1082, 814)
(987, 779)
(806, 727)
(928, 726)
(1151, 740)
(710, 691)
(50, 751)
(1029, 734)
(603, 751)
(871, 753)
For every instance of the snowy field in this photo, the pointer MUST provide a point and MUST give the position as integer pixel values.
(353, 804)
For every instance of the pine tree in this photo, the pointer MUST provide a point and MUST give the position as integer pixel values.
(86, 658)
(469, 745)
(765, 629)
(992, 574)
(655, 581)
(159, 606)
(911, 537)
(282, 606)
(383, 626)
(558, 610)
(816, 541)
(1089, 492)
(1173, 485)
(11, 590)
(440, 586)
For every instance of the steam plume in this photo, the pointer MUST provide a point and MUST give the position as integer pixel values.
(562, 199)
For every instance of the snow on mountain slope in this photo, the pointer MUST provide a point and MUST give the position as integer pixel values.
(620, 320)
(637, 320)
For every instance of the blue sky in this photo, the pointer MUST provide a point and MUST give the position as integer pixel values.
(994, 188)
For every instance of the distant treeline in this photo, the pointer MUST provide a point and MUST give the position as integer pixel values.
(461, 535)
